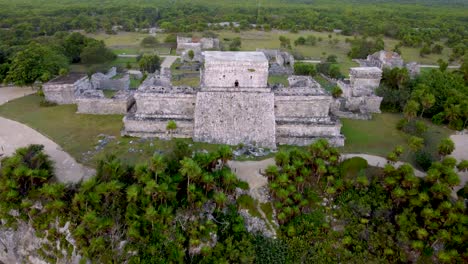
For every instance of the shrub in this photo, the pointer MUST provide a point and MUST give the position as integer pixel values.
(402, 124)
(439, 118)
(304, 69)
(350, 168)
(337, 92)
(423, 159)
(45, 103)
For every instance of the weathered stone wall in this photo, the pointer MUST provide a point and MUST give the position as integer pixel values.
(65, 93)
(225, 69)
(104, 106)
(115, 84)
(364, 80)
(165, 105)
(302, 106)
(235, 117)
(156, 127)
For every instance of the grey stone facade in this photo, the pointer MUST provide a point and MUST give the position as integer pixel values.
(388, 59)
(281, 63)
(235, 105)
(109, 82)
(94, 102)
(359, 100)
(66, 89)
(197, 45)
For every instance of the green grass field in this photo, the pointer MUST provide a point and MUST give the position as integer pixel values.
(79, 134)
(379, 136)
(129, 43)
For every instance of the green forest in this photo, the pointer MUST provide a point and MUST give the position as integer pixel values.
(183, 207)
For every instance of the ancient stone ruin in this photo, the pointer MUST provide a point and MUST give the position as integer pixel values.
(388, 59)
(359, 100)
(66, 89)
(110, 80)
(184, 45)
(281, 62)
(234, 105)
(88, 93)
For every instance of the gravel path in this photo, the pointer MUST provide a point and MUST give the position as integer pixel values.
(168, 60)
(461, 153)
(14, 135)
(9, 93)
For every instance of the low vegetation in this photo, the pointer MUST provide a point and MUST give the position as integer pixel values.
(182, 207)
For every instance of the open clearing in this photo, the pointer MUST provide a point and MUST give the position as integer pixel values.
(129, 43)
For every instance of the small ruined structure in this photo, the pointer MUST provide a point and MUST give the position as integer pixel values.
(94, 102)
(388, 59)
(234, 105)
(359, 100)
(281, 63)
(110, 80)
(66, 89)
(197, 45)
(88, 95)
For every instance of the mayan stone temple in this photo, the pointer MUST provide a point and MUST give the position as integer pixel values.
(234, 105)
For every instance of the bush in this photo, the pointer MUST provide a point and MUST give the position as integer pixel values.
(149, 41)
(350, 168)
(337, 92)
(402, 124)
(439, 118)
(456, 124)
(45, 103)
(423, 159)
(304, 69)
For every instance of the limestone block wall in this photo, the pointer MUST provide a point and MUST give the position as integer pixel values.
(104, 106)
(65, 93)
(156, 127)
(364, 80)
(116, 84)
(165, 105)
(302, 106)
(234, 69)
(59, 93)
(235, 117)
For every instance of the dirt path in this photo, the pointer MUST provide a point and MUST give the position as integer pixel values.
(168, 60)
(461, 153)
(9, 93)
(14, 135)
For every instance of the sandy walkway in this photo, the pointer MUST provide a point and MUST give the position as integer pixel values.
(14, 135)
(9, 93)
(168, 60)
(461, 153)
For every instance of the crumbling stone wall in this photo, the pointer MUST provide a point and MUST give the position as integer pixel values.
(235, 117)
(98, 104)
(302, 114)
(364, 80)
(281, 63)
(235, 69)
(106, 81)
(66, 92)
(359, 99)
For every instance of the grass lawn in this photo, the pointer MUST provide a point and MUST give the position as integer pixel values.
(79, 134)
(275, 79)
(379, 136)
(129, 43)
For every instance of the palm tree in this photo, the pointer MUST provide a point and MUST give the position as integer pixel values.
(157, 165)
(427, 101)
(446, 147)
(411, 109)
(190, 169)
(225, 154)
